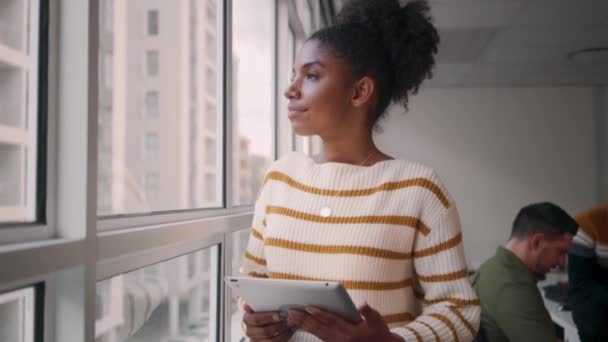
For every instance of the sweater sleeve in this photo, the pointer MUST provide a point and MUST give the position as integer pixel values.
(254, 260)
(451, 310)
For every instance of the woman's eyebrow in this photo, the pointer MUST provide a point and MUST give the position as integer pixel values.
(308, 65)
(311, 63)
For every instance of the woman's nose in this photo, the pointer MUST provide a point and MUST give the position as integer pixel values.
(292, 91)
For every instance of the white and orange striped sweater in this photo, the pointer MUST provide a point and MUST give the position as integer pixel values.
(388, 232)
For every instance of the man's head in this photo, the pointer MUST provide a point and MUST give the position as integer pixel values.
(544, 234)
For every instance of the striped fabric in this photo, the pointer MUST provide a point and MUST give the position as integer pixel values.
(389, 233)
(591, 240)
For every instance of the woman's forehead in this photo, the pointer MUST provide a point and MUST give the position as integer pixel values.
(313, 52)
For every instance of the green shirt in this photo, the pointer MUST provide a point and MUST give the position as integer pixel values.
(512, 308)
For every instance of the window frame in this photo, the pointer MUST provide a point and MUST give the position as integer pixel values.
(79, 247)
(40, 135)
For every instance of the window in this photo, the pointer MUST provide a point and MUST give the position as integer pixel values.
(152, 27)
(19, 40)
(151, 185)
(239, 244)
(211, 47)
(152, 62)
(177, 105)
(108, 71)
(211, 15)
(17, 309)
(211, 117)
(151, 146)
(210, 187)
(174, 300)
(210, 152)
(152, 104)
(253, 46)
(210, 82)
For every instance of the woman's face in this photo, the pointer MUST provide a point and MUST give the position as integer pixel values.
(320, 93)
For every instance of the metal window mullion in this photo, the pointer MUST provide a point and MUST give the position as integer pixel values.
(228, 116)
(275, 81)
(90, 271)
(222, 325)
(77, 165)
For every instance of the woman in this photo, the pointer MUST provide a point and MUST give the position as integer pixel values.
(384, 228)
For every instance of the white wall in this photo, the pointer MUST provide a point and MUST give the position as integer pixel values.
(498, 149)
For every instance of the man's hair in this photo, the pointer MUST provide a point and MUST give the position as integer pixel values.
(546, 218)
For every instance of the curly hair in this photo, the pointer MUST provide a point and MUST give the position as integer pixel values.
(395, 45)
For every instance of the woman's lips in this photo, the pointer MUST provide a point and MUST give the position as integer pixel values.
(295, 112)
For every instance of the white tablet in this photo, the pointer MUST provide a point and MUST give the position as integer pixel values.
(281, 295)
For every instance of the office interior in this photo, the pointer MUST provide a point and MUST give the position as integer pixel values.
(134, 136)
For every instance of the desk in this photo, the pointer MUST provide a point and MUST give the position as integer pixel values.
(563, 319)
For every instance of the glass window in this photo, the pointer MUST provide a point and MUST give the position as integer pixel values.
(175, 300)
(210, 81)
(210, 154)
(211, 117)
(151, 146)
(152, 63)
(211, 47)
(211, 15)
(19, 40)
(152, 104)
(210, 194)
(252, 101)
(177, 101)
(239, 243)
(152, 27)
(17, 309)
(151, 185)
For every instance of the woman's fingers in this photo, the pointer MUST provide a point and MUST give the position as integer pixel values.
(268, 331)
(259, 319)
(310, 324)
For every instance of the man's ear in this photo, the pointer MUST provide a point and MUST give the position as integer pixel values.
(536, 240)
(364, 89)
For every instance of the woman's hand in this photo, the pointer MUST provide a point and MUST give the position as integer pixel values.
(266, 326)
(332, 327)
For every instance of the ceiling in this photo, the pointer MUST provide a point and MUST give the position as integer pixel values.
(519, 42)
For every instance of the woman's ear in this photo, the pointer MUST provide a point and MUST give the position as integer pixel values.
(364, 89)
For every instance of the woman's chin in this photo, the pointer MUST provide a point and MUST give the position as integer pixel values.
(301, 130)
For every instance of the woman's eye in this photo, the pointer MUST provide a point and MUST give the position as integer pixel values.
(311, 76)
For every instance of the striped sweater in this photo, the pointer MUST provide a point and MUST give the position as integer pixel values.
(389, 233)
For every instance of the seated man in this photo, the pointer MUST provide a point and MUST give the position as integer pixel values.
(512, 308)
(588, 275)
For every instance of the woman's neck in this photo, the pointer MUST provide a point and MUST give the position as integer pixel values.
(350, 151)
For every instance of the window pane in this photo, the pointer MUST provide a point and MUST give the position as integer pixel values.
(152, 105)
(17, 315)
(152, 63)
(239, 243)
(175, 300)
(19, 39)
(153, 22)
(157, 97)
(253, 42)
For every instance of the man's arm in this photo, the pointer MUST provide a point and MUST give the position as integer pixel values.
(522, 316)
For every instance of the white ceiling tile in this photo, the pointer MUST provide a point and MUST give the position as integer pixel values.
(536, 36)
(463, 45)
(475, 13)
(570, 13)
(525, 55)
